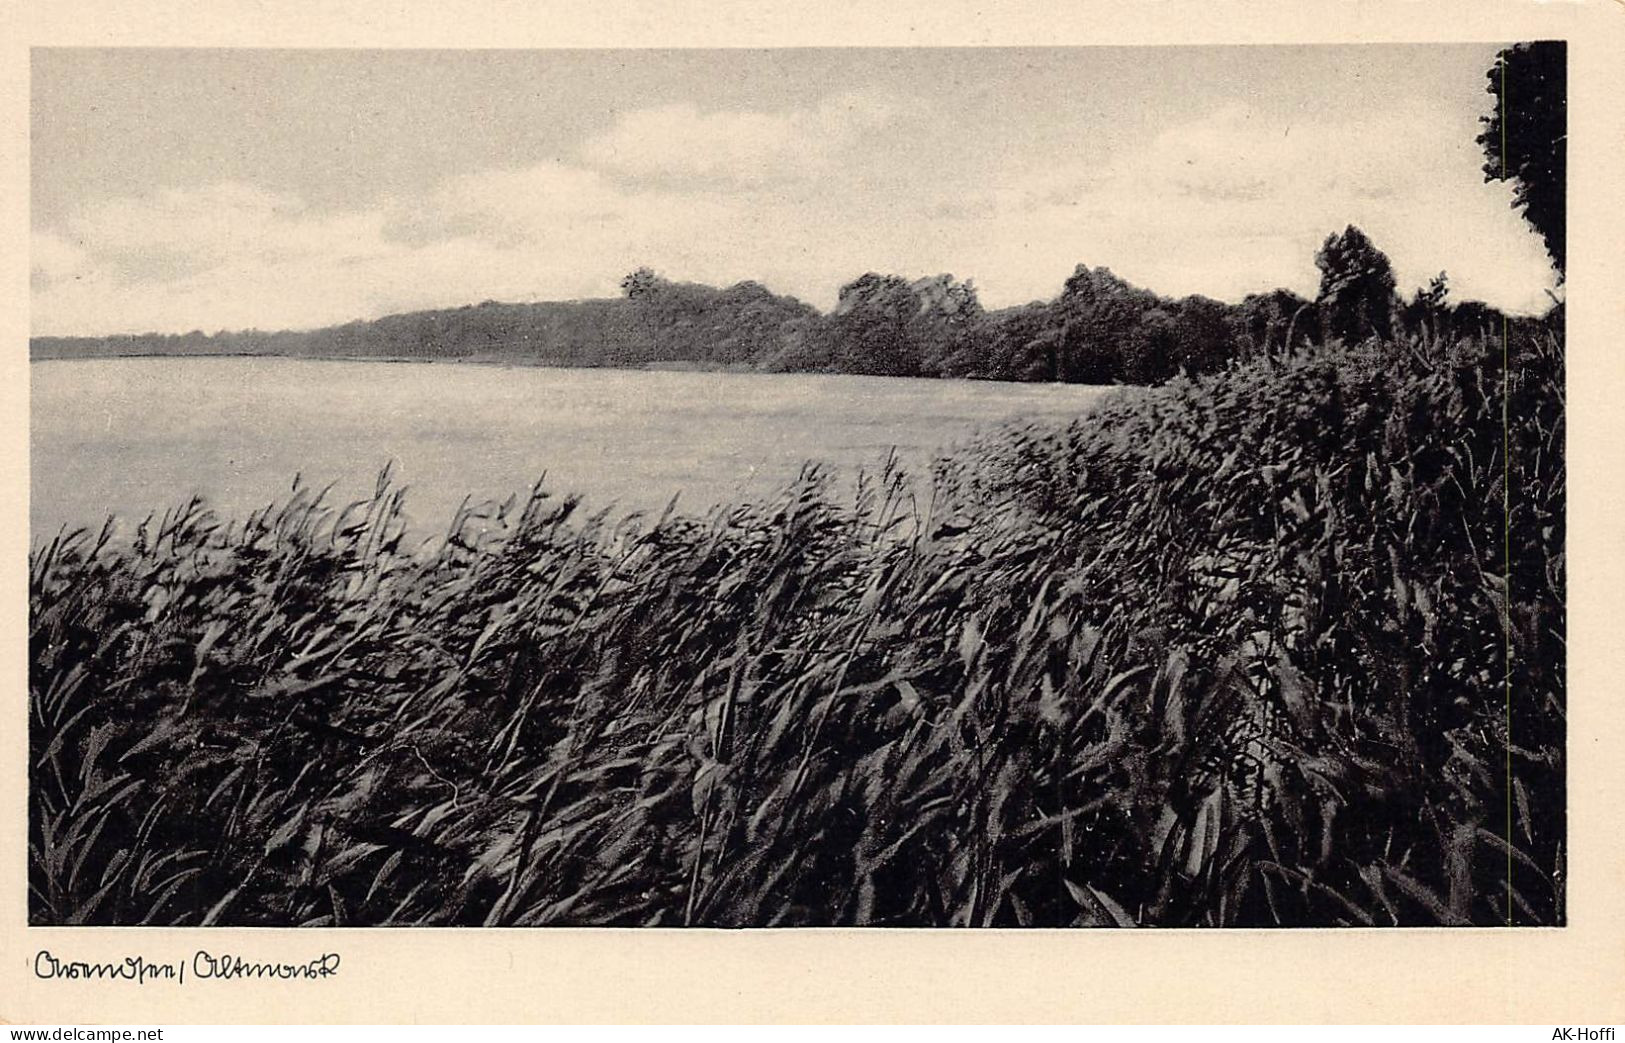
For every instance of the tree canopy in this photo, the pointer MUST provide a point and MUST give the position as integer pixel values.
(1356, 287)
(1525, 138)
(1099, 329)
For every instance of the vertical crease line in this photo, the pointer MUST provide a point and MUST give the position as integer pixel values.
(1506, 530)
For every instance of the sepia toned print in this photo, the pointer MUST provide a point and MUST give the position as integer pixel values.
(698, 552)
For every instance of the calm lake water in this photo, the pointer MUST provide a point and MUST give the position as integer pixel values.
(132, 436)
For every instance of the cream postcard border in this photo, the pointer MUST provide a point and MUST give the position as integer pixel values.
(1571, 974)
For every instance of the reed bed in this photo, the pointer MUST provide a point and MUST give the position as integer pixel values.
(1277, 646)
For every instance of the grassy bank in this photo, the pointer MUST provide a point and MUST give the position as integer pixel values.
(1240, 650)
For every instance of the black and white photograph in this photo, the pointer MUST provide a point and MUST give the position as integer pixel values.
(798, 487)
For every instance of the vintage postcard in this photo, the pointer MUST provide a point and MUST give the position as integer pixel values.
(527, 518)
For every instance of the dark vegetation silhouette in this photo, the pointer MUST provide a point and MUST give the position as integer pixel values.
(1525, 138)
(1356, 287)
(1100, 329)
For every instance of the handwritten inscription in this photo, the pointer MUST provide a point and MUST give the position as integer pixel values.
(203, 966)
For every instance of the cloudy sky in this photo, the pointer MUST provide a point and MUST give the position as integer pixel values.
(175, 190)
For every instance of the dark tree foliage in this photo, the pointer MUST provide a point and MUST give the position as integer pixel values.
(1525, 138)
(1153, 346)
(1429, 307)
(1356, 287)
(1201, 335)
(640, 283)
(1098, 312)
(1018, 344)
(1100, 329)
(1266, 322)
(872, 329)
(1476, 319)
(949, 325)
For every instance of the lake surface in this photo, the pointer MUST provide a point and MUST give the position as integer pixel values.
(133, 436)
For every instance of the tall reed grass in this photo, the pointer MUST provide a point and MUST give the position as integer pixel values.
(1282, 645)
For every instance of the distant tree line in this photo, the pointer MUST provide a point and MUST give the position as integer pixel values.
(1100, 329)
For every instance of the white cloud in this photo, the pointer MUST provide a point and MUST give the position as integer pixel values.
(55, 257)
(1221, 206)
(216, 223)
(680, 141)
(539, 194)
(218, 257)
(222, 255)
(1230, 204)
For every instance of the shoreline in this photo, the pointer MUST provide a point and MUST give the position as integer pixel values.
(672, 367)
